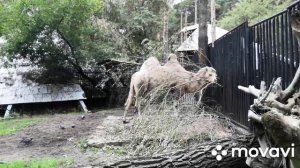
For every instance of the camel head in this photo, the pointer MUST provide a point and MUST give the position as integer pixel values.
(208, 74)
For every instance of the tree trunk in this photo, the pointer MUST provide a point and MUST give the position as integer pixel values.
(203, 20)
(199, 156)
(213, 21)
(166, 33)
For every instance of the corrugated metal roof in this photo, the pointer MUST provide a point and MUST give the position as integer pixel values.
(16, 90)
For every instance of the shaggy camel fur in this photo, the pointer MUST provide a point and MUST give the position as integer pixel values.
(172, 74)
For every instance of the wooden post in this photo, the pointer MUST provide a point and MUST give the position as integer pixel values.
(7, 112)
(181, 27)
(83, 106)
(203, 20)
(185, 22)
(165, 32)
(213, 22)
(196, 12)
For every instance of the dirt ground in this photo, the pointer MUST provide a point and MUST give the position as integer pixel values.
(52, 142)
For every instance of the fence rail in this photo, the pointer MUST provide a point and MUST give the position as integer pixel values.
(250, 54)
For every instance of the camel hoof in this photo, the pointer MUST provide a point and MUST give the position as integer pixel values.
(136, 111)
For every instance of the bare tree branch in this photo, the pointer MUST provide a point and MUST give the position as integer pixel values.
(251, 90)
(75, 64)
(293, 87)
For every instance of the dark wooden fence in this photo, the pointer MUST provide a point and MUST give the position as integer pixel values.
(248, 55)
(230, 58)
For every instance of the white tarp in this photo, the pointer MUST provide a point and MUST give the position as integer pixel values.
(191, 43)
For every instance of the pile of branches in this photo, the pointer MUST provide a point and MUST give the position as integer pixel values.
(173, 132)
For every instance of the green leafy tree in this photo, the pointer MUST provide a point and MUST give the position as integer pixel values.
(138, 20)
(252, 11)
(223, 6)
(72, 34)
(53, 34)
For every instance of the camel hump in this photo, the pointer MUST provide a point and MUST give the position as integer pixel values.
(172, 58)
(150, 62)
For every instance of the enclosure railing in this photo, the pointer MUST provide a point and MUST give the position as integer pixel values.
(251, 54)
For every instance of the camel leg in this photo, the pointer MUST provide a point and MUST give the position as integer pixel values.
(127, 105)
(199, 97)
(128, 102)
(137, 104)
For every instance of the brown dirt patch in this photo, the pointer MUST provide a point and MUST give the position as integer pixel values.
(50, 141)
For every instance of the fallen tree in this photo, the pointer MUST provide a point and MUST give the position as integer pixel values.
(198, 156)
(275, 116)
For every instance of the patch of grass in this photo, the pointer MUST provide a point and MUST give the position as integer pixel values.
(12, 126)
(38, 164)
(83, 145)
(117, 150)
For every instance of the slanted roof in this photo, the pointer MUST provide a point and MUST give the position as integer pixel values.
(191, 43)
(14, 89)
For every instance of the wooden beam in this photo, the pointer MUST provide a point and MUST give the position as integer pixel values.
(213, 21)
(185, 23)
(196, 12)
(181, 27)
(83, 106)
(8, 110)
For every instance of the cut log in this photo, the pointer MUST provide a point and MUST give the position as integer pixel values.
(284, 130)
(198, 156)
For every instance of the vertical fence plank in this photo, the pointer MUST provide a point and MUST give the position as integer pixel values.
(282, 48)
(286, 63)
(278, 66)
(291, 49)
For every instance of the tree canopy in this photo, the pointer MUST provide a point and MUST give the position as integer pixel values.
(73, 34)
(69, 34)
(252, 11)
(52, 34)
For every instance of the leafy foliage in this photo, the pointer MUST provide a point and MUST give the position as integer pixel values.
(223, 6)
(31, 25)
(252, 11)
(71, 35)
(138, 20)
(52, 34)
